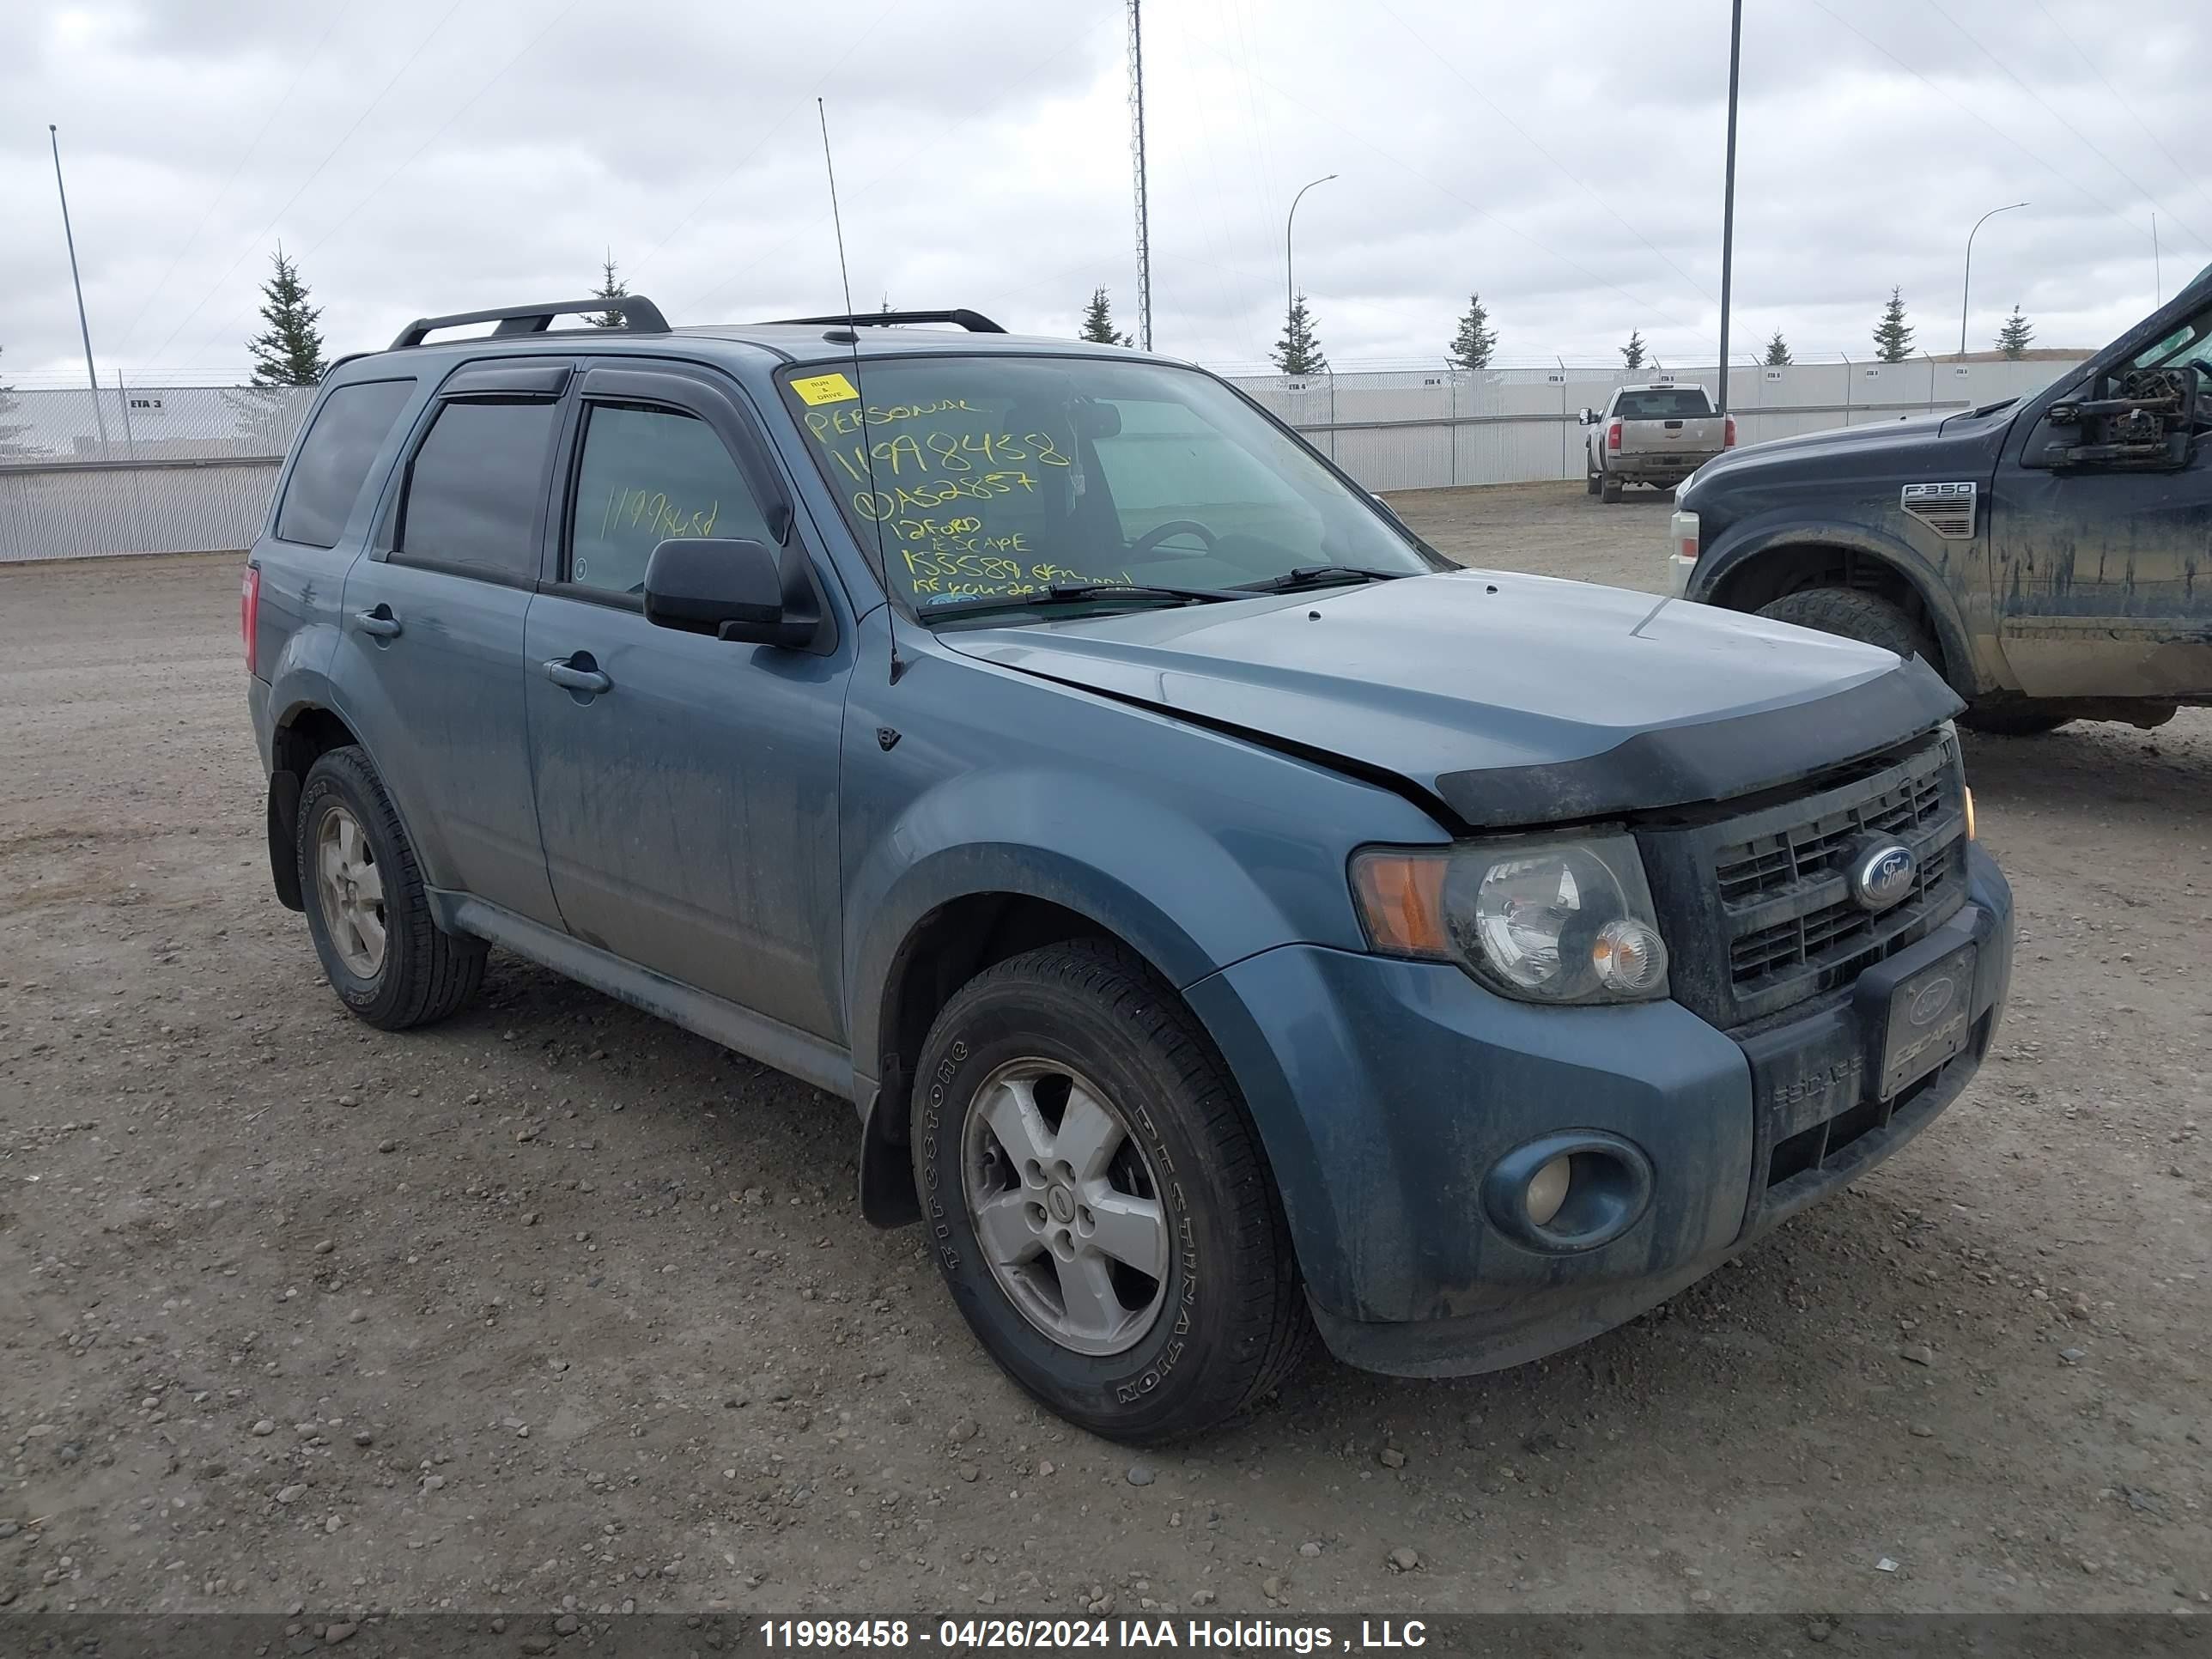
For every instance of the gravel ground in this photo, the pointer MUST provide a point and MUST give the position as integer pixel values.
(556, 1306)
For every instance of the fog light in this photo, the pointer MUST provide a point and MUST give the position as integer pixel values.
(1548, 1190)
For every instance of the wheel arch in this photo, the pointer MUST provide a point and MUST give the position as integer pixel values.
(938, 950)
(302, 735)
(1762, 568)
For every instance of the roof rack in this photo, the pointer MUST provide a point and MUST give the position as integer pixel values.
(974, 321)
(638, 315)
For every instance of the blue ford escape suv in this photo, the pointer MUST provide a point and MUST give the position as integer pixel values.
(1230, 918)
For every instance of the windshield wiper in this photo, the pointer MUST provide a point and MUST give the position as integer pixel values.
(1075, 593)
(1322, 575)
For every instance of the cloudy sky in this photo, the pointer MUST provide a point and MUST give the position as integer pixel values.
(430, 155)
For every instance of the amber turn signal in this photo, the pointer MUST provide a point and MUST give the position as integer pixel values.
(1402, 900)
(1970, 811)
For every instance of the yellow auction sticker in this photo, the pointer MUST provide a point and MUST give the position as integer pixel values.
(824, 389)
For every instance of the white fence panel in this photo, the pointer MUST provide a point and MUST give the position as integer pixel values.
(190, 468)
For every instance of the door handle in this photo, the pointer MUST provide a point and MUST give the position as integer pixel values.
(380, 622)
(589, 680)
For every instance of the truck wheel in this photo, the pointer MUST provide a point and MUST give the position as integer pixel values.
(1096, 1198)
(366, 911)
(1867, 618)
(1589, 481)
(2014, 720)
(1609, 489)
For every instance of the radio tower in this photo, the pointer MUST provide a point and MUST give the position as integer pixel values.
(1137, 154)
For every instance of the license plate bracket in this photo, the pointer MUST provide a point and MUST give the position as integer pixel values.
(1927, 1019)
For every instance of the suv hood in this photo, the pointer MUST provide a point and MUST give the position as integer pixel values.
(1510, 699)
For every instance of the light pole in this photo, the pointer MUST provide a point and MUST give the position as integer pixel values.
(84, 328)
(1290, 291)
(1728, 195)
(1967, 287)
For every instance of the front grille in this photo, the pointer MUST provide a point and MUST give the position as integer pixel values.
(1770, 863)
(1838, 938)
(1757, 905)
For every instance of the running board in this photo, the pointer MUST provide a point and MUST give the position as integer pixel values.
(804, 1056)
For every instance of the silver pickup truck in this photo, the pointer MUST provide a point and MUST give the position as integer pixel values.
(1652, 434)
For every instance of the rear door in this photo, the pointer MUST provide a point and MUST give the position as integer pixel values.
(688, 788)
(432, 634)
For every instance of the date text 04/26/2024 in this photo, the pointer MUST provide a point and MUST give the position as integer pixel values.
(1055, 1635)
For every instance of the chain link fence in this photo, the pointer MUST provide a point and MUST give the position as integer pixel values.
(182, 469)
(140, 469)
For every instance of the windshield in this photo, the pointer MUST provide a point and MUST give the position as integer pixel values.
(1003, 476)
(1669, 404)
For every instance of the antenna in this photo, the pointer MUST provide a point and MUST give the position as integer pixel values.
(867, 446)
(1137, 156)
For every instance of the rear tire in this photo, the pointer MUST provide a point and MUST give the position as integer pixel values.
(1066, 1090)
(1609, 488)
(1855, 615)
(366, 909)
(2013, 720)
(1589, 481)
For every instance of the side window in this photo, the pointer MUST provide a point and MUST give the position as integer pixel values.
(334, 460)
(473, 489)
(648, 475)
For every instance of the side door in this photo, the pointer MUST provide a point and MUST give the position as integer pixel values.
(686, 785)
(433, 631)
(2104, 573)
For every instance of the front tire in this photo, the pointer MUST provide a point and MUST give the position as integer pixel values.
(1096, 1198)
(1855, 615)
(367, 909)
(2013, 720)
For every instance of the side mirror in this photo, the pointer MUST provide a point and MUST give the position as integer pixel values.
(2139, 420)
(737, 590)
(1587, 418)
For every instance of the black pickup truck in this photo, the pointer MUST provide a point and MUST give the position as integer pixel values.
(2050, 556)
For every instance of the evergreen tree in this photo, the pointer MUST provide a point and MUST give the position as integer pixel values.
(1471, 346)
(2013, 338)
(1777, 351)
(11, 430)
(1632, 353)
(289, 352)
(1298, 352)
(1098, 321)
(1893, 335)
(611, 288)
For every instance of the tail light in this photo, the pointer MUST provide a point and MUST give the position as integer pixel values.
(249, 615)
(1612, 435)
(1729, 440)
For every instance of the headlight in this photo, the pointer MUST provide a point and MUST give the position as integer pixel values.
(1555, 919)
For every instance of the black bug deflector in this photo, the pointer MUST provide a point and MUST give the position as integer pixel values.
(1710, 760)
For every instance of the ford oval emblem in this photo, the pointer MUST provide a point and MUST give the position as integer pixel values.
(1930, 1000)
(1882, 875)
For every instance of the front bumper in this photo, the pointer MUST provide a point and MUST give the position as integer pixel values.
(1385, 1092)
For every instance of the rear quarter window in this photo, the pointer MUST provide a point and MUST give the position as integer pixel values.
(334, 460)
